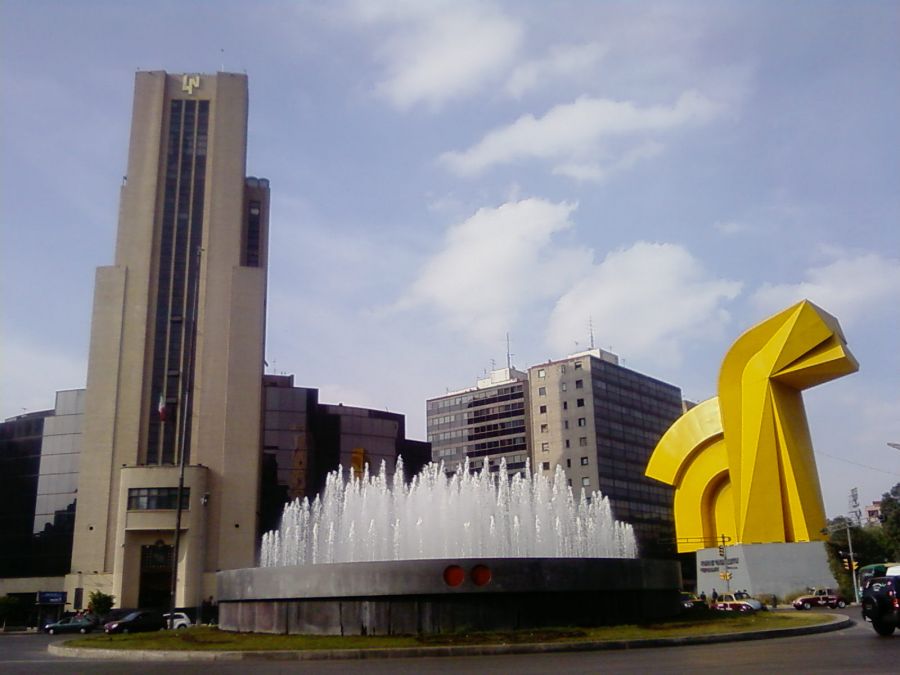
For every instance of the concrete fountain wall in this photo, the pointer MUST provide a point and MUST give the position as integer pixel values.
(438, 596)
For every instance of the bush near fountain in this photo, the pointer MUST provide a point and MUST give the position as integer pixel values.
(376, 556)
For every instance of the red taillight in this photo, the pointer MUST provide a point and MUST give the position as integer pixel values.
(481, 575)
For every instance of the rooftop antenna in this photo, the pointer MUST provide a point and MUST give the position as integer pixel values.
(493, 364)
(508, 353)
(591, 328)
(222, 52)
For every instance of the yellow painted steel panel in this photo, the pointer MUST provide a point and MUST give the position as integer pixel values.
(742, 463)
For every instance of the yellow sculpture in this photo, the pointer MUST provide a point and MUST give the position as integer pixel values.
(742, 463)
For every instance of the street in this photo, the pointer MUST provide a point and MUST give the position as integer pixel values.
(854, 650)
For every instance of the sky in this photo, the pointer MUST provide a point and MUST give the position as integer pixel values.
(444, 174)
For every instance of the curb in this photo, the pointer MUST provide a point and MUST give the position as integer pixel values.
(838, 622)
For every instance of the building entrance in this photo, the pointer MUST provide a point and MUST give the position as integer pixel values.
(156, 576)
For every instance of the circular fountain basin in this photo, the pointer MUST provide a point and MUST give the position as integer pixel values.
(446, 595)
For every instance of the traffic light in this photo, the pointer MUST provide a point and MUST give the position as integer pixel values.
(855, 565)
(722, 550)
(846, 564)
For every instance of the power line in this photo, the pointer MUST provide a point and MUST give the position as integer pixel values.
(864, 466)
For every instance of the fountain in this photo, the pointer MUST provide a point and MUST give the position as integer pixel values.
(375, 555)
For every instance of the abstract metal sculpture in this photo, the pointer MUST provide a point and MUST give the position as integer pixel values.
(742, 463)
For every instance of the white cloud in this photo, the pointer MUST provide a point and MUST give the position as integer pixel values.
(849, 287)
(648, 299)
(440, 51)
(729, 227)
(565, 61)
(574, 133)
(495, 262)
(597, 173)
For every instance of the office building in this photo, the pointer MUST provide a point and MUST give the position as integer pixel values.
(486, 423)
(176, 353)
(305, 440)
(600, 421)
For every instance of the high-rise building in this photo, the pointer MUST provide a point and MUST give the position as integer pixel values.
(176, 354)
(486, 423)
(600, 421)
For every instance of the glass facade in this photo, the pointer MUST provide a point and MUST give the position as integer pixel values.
(20, 458)
(54, 512)
(631, 413)
(180, 239)
(486, 424)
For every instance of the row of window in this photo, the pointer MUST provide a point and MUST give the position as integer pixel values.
(153, 499)
(542, 372)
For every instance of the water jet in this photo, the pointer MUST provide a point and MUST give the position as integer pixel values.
(481, 551)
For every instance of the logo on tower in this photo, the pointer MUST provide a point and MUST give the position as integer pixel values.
(189, 82)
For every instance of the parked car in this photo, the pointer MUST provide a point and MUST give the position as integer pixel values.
(821, 597)
(182, 620)
(881, 603)
(71, 624)
(141, 621)
(756, 603)
(730, 603)
(692, 603)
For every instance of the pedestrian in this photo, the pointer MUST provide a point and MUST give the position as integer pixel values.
(703, 596)
(715, 596)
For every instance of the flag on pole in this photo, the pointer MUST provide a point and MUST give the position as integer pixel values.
(162, 408)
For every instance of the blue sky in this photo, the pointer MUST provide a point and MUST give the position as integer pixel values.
(444, 173)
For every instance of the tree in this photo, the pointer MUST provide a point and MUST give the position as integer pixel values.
(870, 545)
(100, 603)
(890, 520)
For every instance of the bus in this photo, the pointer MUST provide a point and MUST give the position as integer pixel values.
(866, 572)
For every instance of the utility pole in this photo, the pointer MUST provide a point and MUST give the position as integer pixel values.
(187, 385)
(852, 564)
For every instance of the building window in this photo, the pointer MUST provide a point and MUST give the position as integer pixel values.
(586, 482)
(542, 372)
(569, 464)
(579, 384)
(543, 410)
(580, 402)
(582, 422)
(570, 482)
(578, 365)
(568, 443)
(542, 391)
(582, 441)
(154, 499)
(545, 428)
(564, 387)
(565, 405)
(584, 461)
(565, 424)
(545, 466)
(562, 368)
(545, 447)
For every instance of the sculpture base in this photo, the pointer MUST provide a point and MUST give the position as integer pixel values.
(765, 569)
(440, 596)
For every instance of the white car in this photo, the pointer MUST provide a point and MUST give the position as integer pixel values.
(182, 620)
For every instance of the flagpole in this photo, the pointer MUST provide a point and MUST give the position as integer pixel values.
(187, 385)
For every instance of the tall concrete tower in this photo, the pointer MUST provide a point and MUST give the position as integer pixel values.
(176, 355)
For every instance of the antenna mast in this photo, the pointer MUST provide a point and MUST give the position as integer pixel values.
(591, 328)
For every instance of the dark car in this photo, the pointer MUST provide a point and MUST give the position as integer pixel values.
(691, 603)
(141, 621)
(881, 604)
(71, 624)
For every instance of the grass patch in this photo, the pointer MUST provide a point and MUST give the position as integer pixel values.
(203, 638)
